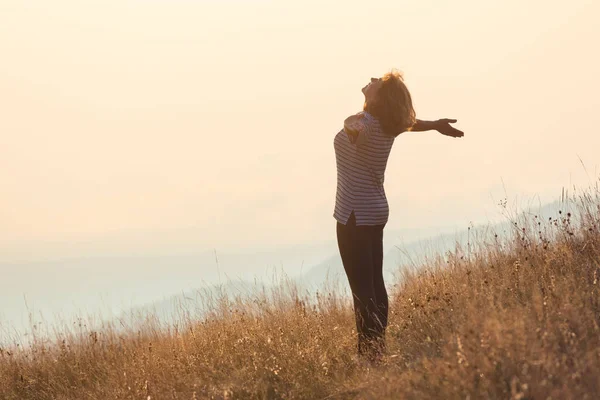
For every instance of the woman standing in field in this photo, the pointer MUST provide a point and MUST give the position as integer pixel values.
(361, 209)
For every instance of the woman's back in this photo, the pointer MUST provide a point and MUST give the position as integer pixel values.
(362, 152)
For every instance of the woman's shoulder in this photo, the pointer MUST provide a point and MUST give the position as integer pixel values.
(369, 118)
(355, 123)
(360, 126)
(362, 117)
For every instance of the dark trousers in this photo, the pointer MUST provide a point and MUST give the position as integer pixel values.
(361, 248)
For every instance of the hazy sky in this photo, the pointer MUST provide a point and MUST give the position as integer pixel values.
(212, 122)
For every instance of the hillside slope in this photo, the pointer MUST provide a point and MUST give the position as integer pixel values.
(510, 318)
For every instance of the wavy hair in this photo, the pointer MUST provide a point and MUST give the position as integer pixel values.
(392, 105)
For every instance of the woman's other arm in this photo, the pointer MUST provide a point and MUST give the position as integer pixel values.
(356, 128)
(441, 125)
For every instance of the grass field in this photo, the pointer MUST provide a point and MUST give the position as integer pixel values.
(515, 318)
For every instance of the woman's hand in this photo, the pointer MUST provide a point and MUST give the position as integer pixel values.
(354, 124)
(443, 126)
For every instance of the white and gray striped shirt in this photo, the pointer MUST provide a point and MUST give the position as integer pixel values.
(361, 160)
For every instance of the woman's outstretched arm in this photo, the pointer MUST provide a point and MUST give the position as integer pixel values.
(441, 125)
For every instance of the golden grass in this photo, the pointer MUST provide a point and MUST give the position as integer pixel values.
(514, 318)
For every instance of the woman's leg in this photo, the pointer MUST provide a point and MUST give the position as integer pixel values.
(356, 245)
(381, 297)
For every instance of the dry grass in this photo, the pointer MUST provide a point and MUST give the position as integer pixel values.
(514, 318)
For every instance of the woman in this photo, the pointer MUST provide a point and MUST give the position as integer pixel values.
(361, 209)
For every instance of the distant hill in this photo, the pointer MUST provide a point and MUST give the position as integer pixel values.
(329, 274)
(118, 284)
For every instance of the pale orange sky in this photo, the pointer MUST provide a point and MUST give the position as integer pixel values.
(120, 117)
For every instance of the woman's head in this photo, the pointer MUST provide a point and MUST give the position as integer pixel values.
(388, 100)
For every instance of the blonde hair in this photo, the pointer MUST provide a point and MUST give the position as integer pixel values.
(392, 105)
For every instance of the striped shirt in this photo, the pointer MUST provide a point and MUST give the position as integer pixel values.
(361, 160)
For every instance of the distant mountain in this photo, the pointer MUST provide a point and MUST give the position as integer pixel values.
(114, 283)
(321, 276)
(80, 286)
(194, 304)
